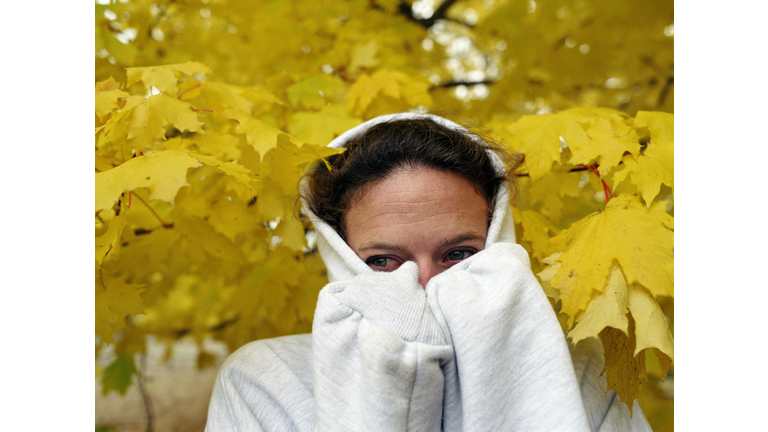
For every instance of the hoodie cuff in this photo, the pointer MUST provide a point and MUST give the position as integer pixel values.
(395, 301)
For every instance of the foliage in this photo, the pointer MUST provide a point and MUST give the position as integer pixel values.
(118, 375)
(608, 272)
(208, 114)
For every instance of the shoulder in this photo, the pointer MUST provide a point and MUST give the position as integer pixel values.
(265, 385)
(258, 361)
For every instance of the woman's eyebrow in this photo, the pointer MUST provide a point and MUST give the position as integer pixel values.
(460, 238)
(383, 246)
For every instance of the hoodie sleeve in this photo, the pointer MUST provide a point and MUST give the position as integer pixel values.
(377, 355)
(512, 368)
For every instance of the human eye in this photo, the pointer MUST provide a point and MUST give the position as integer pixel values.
(457, 255)
(383, 263)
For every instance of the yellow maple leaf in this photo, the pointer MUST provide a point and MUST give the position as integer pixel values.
(108, 244)
(655, 166)
(537, 230)
(607, 144)
(324, 126)
(263, 293)
(221, 96)
(148, 120)
(364, 56)
(415, 91)
(650, 325)
(164, 77)
(587, 113)
(237, 171)
(395, 84)
(291, 233)
(546, 275)
(107, 85)
(625, 371)
(626, 232)
(664, 362)
(658, 210)
(148, 252)
(286, 163)
(550, 190)
(113, 303)
(233, 218)
(163, 173)
(538, 137)
(609, 309)
(261, 136)
(314, 92)
(660, 124)
(202, 241)
(223, 146)
(272, 201)
(107, 102)
(116, 127)
(145, 216)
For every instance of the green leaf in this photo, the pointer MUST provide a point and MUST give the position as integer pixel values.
(118, 375)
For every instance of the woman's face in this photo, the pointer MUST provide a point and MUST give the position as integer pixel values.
(431, 217)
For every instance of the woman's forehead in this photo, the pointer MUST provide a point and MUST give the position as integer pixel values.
(416, 204)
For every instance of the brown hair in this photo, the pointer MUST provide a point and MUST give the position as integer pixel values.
(405, 143)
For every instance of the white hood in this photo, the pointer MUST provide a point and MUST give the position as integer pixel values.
(342, 262)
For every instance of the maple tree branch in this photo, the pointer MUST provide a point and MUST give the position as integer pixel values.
(220, 326)
(224, 324)
(165, 225)
(440, 11)
(591, 168)
(145, 396)
(142, 231)
(577, 169)
(648, 61)
(405, 9)
(665, 91)
(669, 78)
(464, 83)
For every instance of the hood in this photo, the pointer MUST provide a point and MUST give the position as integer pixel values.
(342, 262)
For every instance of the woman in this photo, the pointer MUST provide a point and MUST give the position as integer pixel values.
(432, 319)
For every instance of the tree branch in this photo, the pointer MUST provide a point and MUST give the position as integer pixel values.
(464, 83)
(576, 169)
(665, 91)
(405, 9)
(220, 326)
(145, 396)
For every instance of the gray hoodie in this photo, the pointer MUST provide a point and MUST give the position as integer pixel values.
(479, 349)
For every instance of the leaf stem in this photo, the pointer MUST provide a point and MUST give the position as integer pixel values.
(606, 189)
(153, 211)
(189, 89)
(101, 278)
(202, 109)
